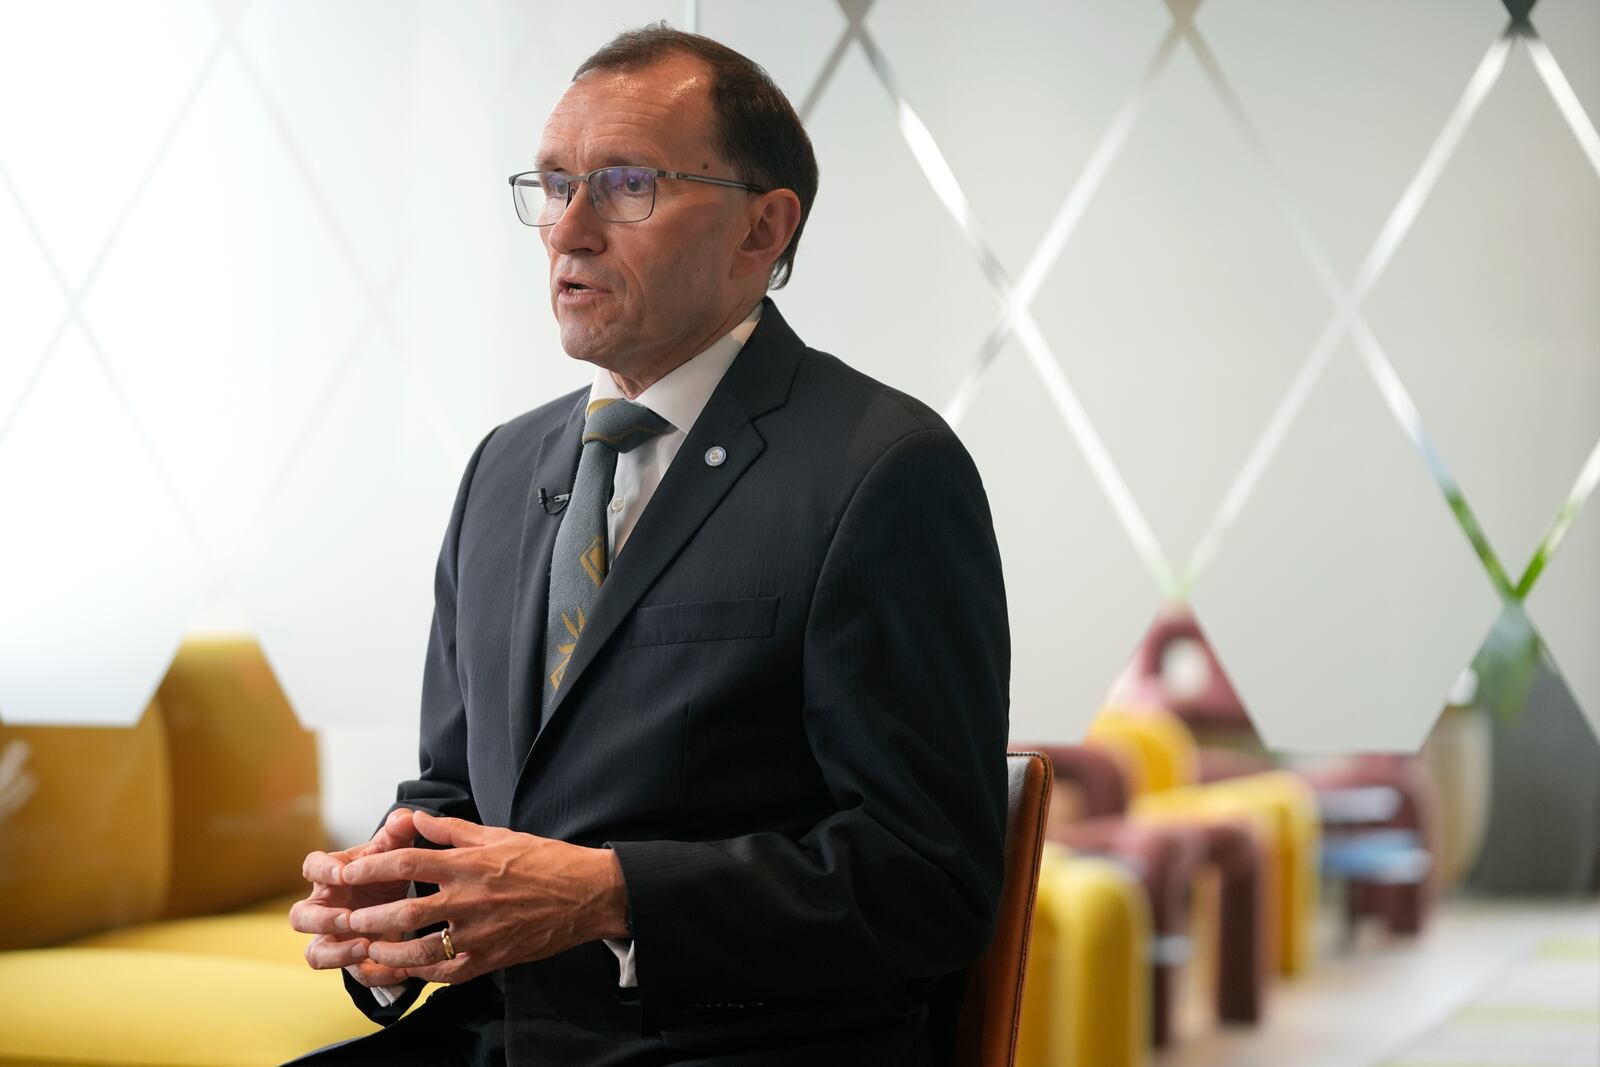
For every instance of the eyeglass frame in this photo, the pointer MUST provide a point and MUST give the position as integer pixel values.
(573, 181)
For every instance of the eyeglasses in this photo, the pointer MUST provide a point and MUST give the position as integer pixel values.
(619, 194)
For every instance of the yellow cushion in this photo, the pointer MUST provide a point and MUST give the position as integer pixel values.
(85, 834)
(1086, 992)
(1159, 746)
(256, 936)
(158, 1009)
(245, 787)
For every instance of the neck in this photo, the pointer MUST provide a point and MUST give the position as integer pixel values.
(633, 385)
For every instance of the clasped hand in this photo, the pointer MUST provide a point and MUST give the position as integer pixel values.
(509, 898)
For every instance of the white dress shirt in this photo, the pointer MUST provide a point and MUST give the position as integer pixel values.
(679, 397)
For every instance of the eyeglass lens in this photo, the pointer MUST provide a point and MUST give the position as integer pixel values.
(619, 194)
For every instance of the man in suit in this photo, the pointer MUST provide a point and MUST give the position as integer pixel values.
(714, 711)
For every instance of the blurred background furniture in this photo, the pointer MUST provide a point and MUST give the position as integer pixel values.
(146, 875)
(1086, 999)
(1203, 878)
(1384, 810)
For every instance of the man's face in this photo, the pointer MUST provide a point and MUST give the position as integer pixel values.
(639, 298)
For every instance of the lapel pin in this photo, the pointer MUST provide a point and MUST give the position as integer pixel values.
(716, 456)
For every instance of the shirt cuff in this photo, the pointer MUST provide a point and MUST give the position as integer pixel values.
(627, 973)
(385, 995)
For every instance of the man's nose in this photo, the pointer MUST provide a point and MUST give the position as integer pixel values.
(578, 229)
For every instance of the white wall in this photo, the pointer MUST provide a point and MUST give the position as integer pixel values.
(1199, 294)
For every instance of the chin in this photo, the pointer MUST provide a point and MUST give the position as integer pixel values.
(581, 344)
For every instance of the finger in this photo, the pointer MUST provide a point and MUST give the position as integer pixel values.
(310, 917)
(372, 974)
(325, 953)
(323, 868)
(451, 972)
(399, 865)
(396, 832)
(407, 913)
(445, 831)
(409, 955)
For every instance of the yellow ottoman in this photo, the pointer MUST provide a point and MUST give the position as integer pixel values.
(1286, 809)
(1086, 996)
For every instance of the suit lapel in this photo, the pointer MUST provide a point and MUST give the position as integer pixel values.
(757, 382)
(553, 471)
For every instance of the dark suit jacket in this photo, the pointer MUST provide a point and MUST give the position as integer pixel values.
(787, 715)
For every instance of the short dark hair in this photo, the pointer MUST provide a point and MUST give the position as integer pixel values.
(756, 128)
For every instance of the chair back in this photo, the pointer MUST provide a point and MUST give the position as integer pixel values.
(991, 1009)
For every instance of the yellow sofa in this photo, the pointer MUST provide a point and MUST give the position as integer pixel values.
(1162, 757)
(146, 874)
(1086, 995)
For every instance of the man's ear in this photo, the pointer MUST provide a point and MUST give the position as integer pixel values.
(772, 217)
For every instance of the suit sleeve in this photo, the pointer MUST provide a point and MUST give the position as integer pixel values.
(906, 675)
(441, 786)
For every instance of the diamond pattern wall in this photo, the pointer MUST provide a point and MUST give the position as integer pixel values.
(341, 570)
(225, 333)
(98, 570)
(1345, 139)
(881, 273)
(1263, 281)
(1062, 67)
(1572, 28)
(1565, 608)
(34, 305)
(795, 49)
(1344, 600)
(347, 80)
(89, 91)
(1488, 312)
(1077, 594)
(1165, 345)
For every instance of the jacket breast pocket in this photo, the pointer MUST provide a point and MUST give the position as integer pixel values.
(704, 620)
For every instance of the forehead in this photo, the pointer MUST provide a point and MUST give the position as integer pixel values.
(659, 115)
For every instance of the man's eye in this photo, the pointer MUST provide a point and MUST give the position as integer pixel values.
(634, 183)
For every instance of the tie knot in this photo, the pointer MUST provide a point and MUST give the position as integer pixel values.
(621, 424)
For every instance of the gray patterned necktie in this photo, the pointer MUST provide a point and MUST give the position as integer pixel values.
(580, 560)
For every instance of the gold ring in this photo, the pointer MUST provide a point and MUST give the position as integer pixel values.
(444, 939)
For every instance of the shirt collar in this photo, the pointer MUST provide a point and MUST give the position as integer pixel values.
(682, 394)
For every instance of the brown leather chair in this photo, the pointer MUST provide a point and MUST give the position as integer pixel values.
(992, 1008)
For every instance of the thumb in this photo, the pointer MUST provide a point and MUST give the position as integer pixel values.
(445, 831)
